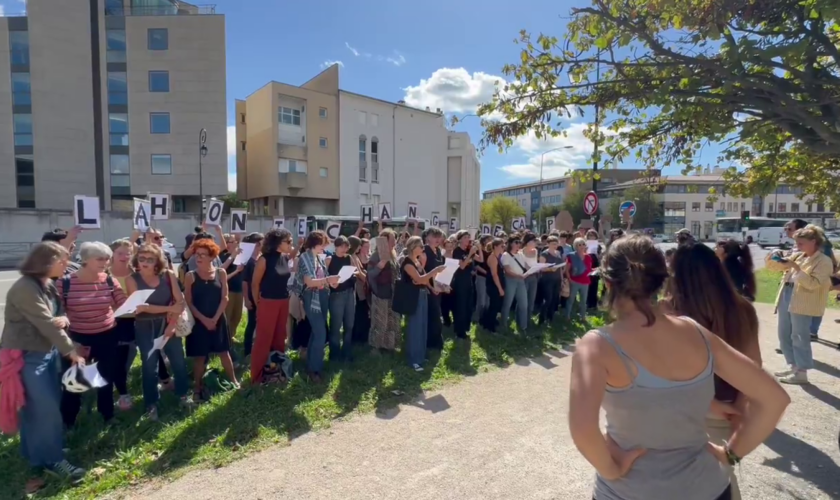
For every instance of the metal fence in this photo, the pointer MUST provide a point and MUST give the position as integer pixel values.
(11, 254)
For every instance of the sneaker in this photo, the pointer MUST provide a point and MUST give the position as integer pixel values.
(66, 469)
(796, 378)
(124, 403)
(784, 373)
(815, 337)
(152, 414)
(167, 385)
(187, 402)
(417, 367)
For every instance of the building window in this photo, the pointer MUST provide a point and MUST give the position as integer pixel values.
(723, 206)
(161, 164)
(242, 118)
(23, 129)
(710, 207)
(117, 88)
(454, 143)
(782, 207)
(118, 127)
(243, 145)
(115, 46)
(179, 204)
(820, 207)
(114, 8)
(743, 206)
(374, 120)
(25, 179)
(119, 165)
(323, 172)
(120, 174)
(362, 118)
(322, 112)
(770, 208)
(362, 149)
(374, 173)
(21, 89)
(291, 166)
(374, 151)
(289, 116)
(158, 81)
(19, 47)
(159, 123)
(322, 142)
(362, 173)
(158, 39)
(695, 206)
(730, 207)
(794, 207)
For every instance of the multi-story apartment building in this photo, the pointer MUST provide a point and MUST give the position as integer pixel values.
(107, 98)
(533, 195)
(319, 150)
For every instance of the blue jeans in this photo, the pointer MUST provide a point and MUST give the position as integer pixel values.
(342, 312)
(794, 334)
(532, 285)
(146, 331)
(318, 322)
(816, 321)
(581, 292)
(41, 425)
(515, 289)
(418, 331)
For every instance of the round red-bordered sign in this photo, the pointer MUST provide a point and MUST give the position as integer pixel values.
(590, 203)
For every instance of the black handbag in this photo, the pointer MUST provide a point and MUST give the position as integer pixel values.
(406, 295)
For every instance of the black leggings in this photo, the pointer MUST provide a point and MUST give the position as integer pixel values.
(103, 351)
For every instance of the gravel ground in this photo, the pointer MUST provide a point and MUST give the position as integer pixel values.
(503, 435)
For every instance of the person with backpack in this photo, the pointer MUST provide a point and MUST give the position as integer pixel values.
(89, 297)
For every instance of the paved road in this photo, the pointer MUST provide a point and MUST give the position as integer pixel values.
(503, 435)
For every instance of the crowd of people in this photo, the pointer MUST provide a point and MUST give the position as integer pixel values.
(677, 367)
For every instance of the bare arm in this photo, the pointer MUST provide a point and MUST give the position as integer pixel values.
(494, 270)
(224, 302)
(259, 272)
(421, 279)
(188, 282)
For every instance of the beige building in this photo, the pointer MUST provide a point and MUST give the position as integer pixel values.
(107, 98)
(287, 147)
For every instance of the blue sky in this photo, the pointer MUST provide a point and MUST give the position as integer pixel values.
(438, 53)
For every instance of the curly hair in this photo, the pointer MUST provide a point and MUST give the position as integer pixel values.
(273, 239)
(155, 251)
(207, 244)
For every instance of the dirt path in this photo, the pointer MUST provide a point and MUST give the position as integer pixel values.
(504, 435)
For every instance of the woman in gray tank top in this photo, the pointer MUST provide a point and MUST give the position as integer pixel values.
(654, 376)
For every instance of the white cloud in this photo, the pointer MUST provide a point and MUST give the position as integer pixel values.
(351, 49)
(231, 157)
(454, 90)
(328, 63)
(397, 60)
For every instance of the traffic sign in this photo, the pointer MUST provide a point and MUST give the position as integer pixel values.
(590, 203)
(628, 205)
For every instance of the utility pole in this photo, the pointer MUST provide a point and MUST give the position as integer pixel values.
(595, 217)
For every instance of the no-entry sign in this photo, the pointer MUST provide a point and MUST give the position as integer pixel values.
(590, 203)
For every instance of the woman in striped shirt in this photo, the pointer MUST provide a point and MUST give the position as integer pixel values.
(90, 296)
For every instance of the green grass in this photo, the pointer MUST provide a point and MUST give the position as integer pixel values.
(133, 449)
(767, 283)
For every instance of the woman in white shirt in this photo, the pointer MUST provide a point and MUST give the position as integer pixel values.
(515, 267)
(530, 255)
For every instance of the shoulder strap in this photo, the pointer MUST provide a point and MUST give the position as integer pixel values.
(110, 281)
(65, 290)
(625, 358)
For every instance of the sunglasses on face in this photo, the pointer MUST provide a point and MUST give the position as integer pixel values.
(202, 255)
(146, 260)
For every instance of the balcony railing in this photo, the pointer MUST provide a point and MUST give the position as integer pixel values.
(182, 9)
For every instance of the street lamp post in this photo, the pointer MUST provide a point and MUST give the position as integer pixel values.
(202, 152)
(542, 157)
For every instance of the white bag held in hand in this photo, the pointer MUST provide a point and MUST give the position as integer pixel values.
(184, 324)
(75, 381)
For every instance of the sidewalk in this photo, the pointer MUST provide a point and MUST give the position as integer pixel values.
(504, 435)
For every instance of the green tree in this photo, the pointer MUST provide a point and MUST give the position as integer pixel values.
(231, 201)
(544, 213)
(759, 77)
(647, 208)
(500, 210)
(573, 203)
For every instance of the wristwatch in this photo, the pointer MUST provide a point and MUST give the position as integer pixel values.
(731, 457)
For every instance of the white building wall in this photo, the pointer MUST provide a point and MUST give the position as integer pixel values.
(469, 196)
(411, 156)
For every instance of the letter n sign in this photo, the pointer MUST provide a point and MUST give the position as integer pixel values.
(412, 210)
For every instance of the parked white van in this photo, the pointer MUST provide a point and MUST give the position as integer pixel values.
(773, 237)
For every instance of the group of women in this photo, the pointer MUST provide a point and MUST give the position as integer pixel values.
(675, 372)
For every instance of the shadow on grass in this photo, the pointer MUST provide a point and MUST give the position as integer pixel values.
(133, 448)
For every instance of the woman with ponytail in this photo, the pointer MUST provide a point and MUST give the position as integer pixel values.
(737, 260)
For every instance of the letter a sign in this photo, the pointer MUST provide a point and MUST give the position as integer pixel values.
(142, 214)
(384, 211)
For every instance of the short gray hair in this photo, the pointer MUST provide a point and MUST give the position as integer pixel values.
(94, 250)
(579, 242)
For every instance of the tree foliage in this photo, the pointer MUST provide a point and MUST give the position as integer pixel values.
(759, 77)
(500, 210)
(573, 203)
(648, 209)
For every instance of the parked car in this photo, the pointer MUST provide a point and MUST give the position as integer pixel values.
(661, 238)
(833, 236)
(773, 237)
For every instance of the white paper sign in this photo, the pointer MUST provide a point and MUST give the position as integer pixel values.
(130, 305)
(86, 211)
(301, 226)
(453, 224)
(279, 223)
(214, 212)
(549, 224)
(245, 255)
(238, 219)
(445, 276)
(536, 268)
(142, 214)
(157, 345)
(412, 211)
(367, 214)
(498, 229)
(485, 229)
(516, 224)
(592, 246)
(345, 273)
(383, 210)
(333, 229)
(91, 374)
(436, 219)
(161, 204)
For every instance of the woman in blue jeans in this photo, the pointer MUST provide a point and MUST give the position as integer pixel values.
(312, 279)
(418, 322)
(578, 267)
(515, 288)
(34, 333)
(342, 302)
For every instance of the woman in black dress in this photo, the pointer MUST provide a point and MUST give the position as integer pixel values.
(433, 237)
(207, 296)
(495, 284)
